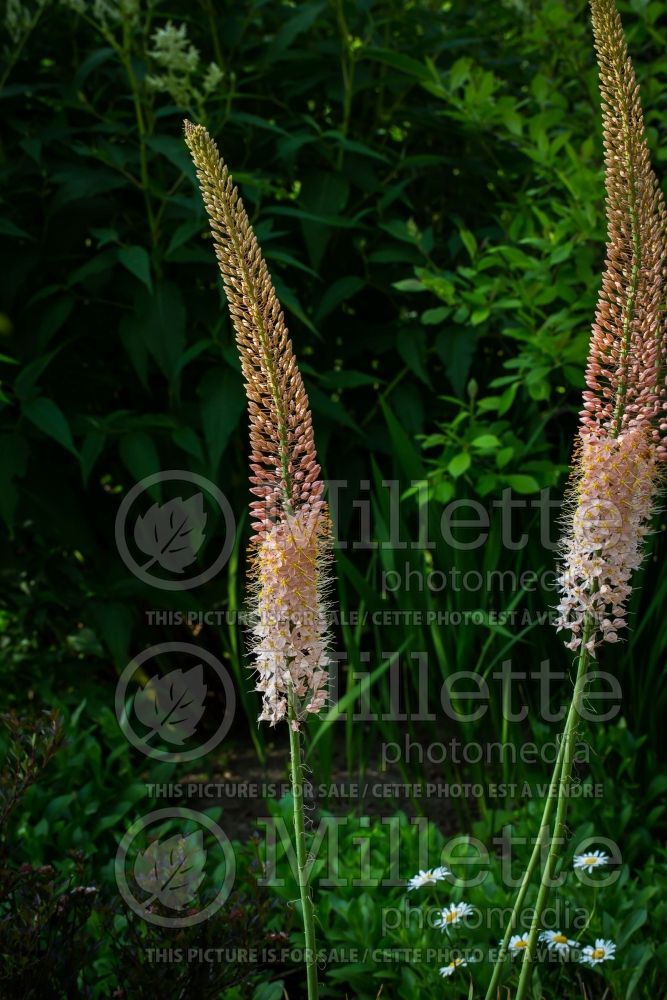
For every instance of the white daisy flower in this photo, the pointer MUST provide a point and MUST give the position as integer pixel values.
(595, 859)
(556, 941)
(452, 915)
(518, 943)
(449, 970)
(602, 952)
(429, 877)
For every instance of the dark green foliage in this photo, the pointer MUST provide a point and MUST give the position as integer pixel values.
(425, 180)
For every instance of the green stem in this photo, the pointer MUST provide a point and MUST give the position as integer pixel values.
(143, 134)
(528, 874)
(561, 808)
(296, 764)
(631, 300)
(254, 308)
(347, 73)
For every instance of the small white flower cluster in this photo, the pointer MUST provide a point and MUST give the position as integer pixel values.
(20, 20)
(558, 942)
(587, 862)
(180, 64)
(107, 13)
(449, 970)
(453, 914)
(428, 877)
(449, 916)
(603, 951)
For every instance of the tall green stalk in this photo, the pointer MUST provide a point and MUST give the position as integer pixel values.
(542, 838)
(292, 530)
(563, 781)
(296, 766)
(556, 795)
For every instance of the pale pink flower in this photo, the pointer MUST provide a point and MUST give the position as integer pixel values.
(292, 537)
(623, 423)
(289, 634)
(613, 499)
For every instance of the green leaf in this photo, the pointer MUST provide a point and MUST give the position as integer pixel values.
(140, 457)
(456, 348)
(333, 221)
(273, 990)
(348, 379)
(506, 400)
(408, 459)
(50, 419)
(400, 229)
(340, 291)
(469, 241)
(13, 463)
(114, 622)
(78, 183)
(433, 316)
(174, 150)
(9, 228)
(98, 264)
(138, 263)
(352, 146)
(330, 408)
(504, 456)
(183, 233)
(631, 926)
(158, 324)
(222, 403)
(459, 464)
(324, 195)
(291, 303)
(406, 64)
(291, 28)
(409, 285)
(188, 439)
(411, 346)
(27, 378)
(96, 58)
(486, 442)
(91, 449)
(522, 484)
(53, 319)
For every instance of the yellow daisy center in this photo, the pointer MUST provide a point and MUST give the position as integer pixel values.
(598, 953)
(559, 939)
(591, 860)
(451, 917)
(521, 944)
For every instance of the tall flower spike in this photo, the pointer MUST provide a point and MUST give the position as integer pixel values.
(290, 520)
(623, 422)
(625, 373)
